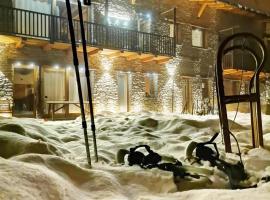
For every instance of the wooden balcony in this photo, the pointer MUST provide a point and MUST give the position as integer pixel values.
(54, 29)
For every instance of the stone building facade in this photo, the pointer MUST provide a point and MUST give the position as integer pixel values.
(184, 84)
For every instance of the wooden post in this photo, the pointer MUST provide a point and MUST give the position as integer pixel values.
(106, 11)
(52, 20)
(175, 27)
(106, 20)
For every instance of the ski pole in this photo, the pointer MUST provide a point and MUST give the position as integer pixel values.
(76, 65)
(87, 74)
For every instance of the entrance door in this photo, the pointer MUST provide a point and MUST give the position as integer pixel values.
(123, 92)
(24, 92)
(54, 87)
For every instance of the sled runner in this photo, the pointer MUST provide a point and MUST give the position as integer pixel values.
(253, 97)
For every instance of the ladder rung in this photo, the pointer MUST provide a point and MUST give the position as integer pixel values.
(240, 98)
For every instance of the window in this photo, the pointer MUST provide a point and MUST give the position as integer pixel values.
(197, 37)
(178, 33)
(171, 30)
(267, 28)
(151, 85)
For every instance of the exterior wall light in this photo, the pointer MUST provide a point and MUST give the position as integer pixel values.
(56, 66)
(106, 64)
(68, 67)
(31, 65)
(18, 64)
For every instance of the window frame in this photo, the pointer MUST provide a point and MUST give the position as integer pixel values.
(203, 35)
(153, 82)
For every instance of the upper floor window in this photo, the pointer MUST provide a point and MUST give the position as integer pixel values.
(198, 36)
(267, 28)
(177, 34)
(151, 85)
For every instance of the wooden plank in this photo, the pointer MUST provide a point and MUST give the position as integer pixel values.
(108, 52)
(147, 58)
(93, 51)
(20, 43)
(47, 47)
(132, 57)
(202, 9)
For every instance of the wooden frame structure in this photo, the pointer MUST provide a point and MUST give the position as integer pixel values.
(52, 32)
(219, 5)
(254, 89)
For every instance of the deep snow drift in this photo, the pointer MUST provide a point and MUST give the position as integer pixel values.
(47, 160)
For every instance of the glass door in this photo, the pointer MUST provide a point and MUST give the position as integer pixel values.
(123, 92)
(24, 92)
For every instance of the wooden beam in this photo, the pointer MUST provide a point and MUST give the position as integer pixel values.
(94, 51)
(20, 44)
(148, 59)
(203, 1)
(132, 57)
(127, 54)
(202, 9)
(47, 47)
(114, 54)
(162, 61)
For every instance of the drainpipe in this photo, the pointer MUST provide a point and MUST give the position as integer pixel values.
(106, 20)
(175, 28)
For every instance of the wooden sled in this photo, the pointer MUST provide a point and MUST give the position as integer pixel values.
(253, 97)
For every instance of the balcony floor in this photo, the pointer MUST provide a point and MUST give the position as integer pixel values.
(46, 45)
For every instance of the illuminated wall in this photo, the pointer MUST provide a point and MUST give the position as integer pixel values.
(6, 91)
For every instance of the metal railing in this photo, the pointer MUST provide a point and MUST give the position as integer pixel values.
(32, 24)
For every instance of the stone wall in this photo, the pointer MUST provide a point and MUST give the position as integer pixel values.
(6, 91)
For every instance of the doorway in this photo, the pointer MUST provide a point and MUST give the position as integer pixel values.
(54, 87)
(24, 92)
(123, 92)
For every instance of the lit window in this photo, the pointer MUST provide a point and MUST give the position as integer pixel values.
(197, 37)
(151, 85)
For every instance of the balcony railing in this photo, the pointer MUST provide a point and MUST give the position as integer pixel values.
(32, 24)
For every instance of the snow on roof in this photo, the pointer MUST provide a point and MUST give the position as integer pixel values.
(260, 7)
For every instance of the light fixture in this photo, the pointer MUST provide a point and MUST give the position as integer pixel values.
(56, 67)
(116, 22)
(18, 64)
(172, 65)
(31, 65)
(125, 23)
(68, 67)
(106, 63)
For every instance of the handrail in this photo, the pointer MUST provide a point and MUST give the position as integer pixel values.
(29, 23)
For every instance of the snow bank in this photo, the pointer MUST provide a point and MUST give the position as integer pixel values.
(46, 160)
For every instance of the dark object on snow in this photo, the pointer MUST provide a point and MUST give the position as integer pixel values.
(153, 159)
(254, 47)
(206, 153)
(235, 172)
(138, 158)
(266, 179)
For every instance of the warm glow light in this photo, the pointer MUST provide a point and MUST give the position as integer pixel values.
(171, 66)
(106, 64)
(18, 64)
(118, 16)
(31, 65)
(56, 67)
(68, 67)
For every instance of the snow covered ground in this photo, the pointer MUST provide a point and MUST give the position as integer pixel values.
(47, 160)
